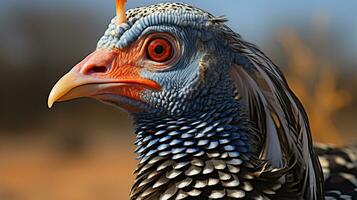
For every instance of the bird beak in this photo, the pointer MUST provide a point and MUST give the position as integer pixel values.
(102, 75)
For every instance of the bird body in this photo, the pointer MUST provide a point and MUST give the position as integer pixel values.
(339, 166)
(214, 117)
(207, 154)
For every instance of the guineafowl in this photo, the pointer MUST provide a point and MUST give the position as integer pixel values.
(214, 116)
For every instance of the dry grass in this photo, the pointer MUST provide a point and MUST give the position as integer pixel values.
(32, 170)
(315, 83)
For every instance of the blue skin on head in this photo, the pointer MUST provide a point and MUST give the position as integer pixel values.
(200, 75)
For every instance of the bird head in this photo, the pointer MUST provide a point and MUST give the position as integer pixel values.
(155, 60)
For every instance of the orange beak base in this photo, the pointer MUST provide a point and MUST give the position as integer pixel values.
(104, 75)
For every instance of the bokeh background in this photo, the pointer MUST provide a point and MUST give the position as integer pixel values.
(82, 150)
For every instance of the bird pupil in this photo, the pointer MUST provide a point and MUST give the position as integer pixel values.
(159, 49)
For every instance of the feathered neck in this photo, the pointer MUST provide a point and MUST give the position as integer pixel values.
(208, 154)
(196, 152)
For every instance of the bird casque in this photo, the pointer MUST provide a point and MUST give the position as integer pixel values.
(214, 117)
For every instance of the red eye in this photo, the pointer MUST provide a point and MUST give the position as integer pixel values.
(159, 50)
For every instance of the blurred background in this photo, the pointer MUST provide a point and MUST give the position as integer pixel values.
(83, 149)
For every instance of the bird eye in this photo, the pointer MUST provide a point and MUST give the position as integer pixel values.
(159, 50)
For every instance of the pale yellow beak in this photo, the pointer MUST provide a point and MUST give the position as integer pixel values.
(72, 86)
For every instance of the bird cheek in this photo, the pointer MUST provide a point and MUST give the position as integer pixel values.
(127, 66)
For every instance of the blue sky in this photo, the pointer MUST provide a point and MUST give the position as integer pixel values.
(253, 19)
